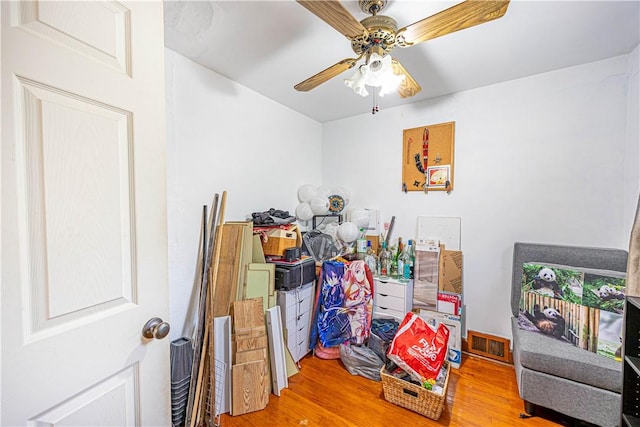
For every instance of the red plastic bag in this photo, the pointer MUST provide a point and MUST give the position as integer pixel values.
(418, 349)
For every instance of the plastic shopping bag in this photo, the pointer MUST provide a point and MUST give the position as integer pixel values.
(418, 349)
(361, 360)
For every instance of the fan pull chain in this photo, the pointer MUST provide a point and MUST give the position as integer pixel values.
(375, 108)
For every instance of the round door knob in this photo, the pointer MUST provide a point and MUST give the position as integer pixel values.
(155, 328)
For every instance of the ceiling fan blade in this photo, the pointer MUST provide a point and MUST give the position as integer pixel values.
(326, 74)
(463, 15)
(335, 14)
(409, 86)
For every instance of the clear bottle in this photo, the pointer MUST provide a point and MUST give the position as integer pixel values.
(412, 256)
(404, 265)
(384, 259)
(393, 267)
(371, 259)
(395, 253)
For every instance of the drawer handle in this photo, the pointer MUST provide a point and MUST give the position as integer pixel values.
(382, 281)
(384, 295)
(383, 308)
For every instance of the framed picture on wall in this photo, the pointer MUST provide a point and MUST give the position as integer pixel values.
(438, 176)
(427, 157)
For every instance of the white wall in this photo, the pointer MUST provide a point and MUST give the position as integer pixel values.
(632, 160)
(539, 159)
(223, 136)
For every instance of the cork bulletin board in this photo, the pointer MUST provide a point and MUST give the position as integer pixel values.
(428, 153)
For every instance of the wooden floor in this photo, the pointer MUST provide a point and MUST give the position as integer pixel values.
(481, 393)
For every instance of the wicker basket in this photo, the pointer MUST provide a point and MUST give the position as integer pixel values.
(414, 397)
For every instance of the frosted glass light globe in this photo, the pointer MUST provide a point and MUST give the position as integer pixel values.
(348, 232)
(306, 193)
(304, 211)
(320, 205)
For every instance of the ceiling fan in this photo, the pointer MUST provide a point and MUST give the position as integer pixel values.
(376, 36)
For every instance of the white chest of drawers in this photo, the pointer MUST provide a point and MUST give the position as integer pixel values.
(296, 308)
(391, 297)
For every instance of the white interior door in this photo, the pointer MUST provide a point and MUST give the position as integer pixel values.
(83, 214)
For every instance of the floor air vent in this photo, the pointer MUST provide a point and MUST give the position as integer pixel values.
(488, 346)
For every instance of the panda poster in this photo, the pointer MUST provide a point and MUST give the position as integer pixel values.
(553, 317)
(572, 304)
(610, 335)
(605, 291)
(553, 281)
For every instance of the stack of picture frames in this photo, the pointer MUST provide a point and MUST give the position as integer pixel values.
(427, 158)
(580, 306)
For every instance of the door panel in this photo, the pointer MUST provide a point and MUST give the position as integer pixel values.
(113, 399)
(83, 214)
(100, 30)
(81, 149)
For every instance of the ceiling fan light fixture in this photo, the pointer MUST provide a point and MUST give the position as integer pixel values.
(377, 72)
(357, 83)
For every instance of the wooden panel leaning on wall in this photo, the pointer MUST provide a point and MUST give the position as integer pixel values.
(481, 393)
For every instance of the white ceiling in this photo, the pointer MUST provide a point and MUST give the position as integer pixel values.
(269, 46)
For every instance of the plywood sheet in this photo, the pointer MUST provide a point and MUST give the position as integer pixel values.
(248, 314)
(250, 387)
(250, 343)
(227, 274)
(250, 355)
(244, 253)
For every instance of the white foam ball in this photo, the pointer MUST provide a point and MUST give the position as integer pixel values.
(319, 205)
(304, 211)
(306, 193)
(348, 232)
(331, 229)
(360, 217)
(323, 191)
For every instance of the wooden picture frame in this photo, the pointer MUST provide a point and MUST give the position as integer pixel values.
(436, 143)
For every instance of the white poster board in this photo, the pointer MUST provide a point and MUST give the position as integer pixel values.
(444, 229)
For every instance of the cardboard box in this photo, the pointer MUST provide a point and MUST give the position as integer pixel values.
(281, 238)
(375, 243)
(454, 324)
(450, 271)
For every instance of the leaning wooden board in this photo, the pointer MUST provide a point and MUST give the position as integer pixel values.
(227, 274)
(250, 387)
(250, 372)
